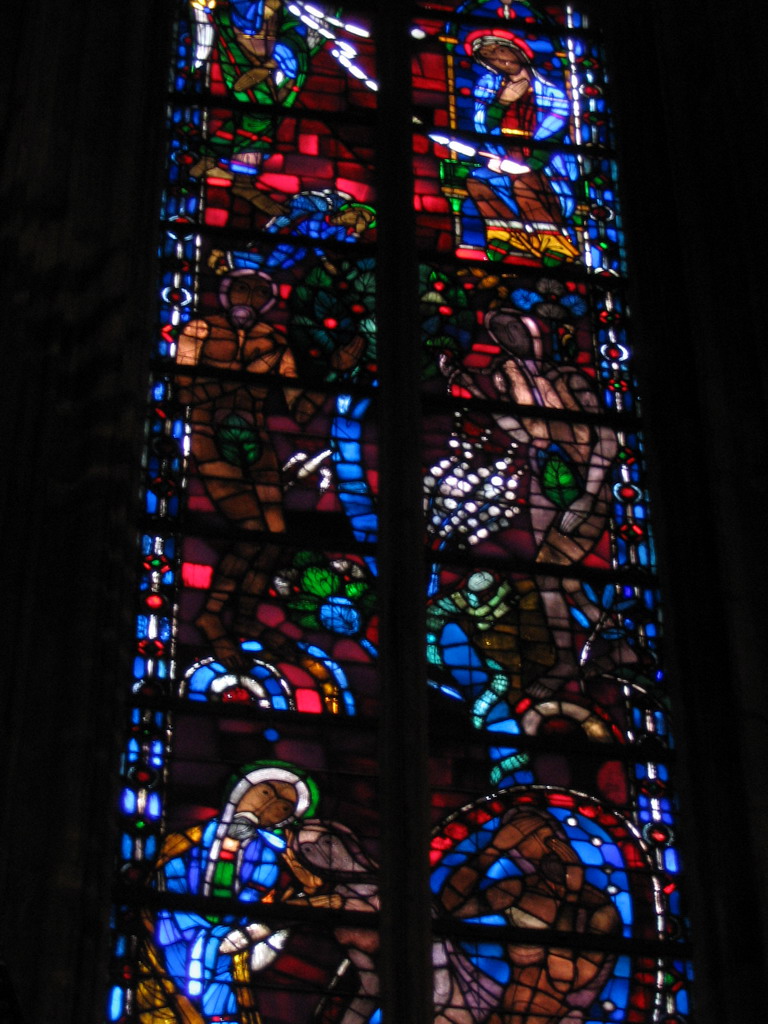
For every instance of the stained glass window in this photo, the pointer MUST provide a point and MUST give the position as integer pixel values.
(251, 822)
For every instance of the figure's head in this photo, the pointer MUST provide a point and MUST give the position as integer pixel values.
(517, 335)
(501, 54)
(268, 796)
(246, 293)
(329, 848)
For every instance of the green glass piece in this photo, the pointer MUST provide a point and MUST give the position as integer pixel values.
(223, 878)
(239, 443)
(319, 581)
(559, 481)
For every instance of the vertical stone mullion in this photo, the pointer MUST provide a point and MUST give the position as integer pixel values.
(406, 949)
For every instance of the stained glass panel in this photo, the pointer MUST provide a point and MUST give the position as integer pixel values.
(251, 833)
(543, 617)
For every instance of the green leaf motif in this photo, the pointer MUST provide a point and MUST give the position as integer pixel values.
(239, 442)
(319, 581)
(559, 481)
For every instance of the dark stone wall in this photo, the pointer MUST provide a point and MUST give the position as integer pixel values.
(82, 116)
(82, 103)
(692, 112)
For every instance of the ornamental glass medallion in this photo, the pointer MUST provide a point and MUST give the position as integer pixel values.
(249, 849)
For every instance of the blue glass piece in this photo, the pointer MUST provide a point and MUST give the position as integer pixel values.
(624, 906)
(503, 868)
(623, 968)
(612, 855)
(339, 615)
(115, 1003)
(505, 724)
(129, 801)
(364, 643)
(617, 990)
(596, 877)
(166, 931)
(619, 879)
(263, 876)
(275, 841)
(520, 777)
(446, 690)
(438, 877)
(271, 685)
(525, 299)
(489, 958)
(453, 859)
(580, 617)
(201, 679)
(671, 860)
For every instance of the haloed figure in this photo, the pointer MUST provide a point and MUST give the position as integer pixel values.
(524, 193)
(232, 448)
(197, 966)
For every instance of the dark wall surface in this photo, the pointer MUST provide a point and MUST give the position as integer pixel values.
(692, 107)
(82, 105)
(82, 109)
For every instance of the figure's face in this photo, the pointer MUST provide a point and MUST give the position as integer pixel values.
(250, 291)
(326, 851)
(271, 802)
(511, 333)
(504, 59)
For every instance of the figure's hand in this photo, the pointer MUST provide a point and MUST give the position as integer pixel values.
(309, 880)
(347, 356)
(242, 938)
(255, 75)
(575, 514)
(333, 900)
